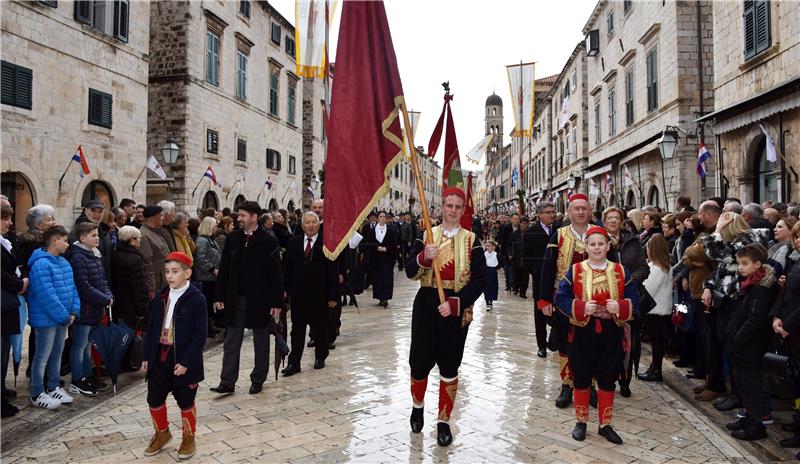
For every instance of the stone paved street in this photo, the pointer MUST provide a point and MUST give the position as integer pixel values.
(356, 409)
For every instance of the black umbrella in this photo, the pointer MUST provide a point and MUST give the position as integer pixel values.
(111, 342)
(281, 348)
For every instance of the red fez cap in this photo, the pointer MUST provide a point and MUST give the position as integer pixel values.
(454, 191)
(180, 257)
(578, 196)
(597, 230)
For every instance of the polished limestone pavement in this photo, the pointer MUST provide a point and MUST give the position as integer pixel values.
(356, 409)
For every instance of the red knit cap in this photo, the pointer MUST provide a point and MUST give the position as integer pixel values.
(578, 196)
(179, 257)
(454, 191)
(597, 230)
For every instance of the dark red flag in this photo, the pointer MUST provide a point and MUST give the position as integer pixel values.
(365, 141)
(469, 206)
(451, 168)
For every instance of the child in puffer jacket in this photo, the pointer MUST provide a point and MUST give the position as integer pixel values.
(90, 279)
(53, 305)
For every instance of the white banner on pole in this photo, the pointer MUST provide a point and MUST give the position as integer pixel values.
(522, 82)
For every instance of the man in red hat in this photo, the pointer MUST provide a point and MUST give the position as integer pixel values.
(439, 330)
(566, 247)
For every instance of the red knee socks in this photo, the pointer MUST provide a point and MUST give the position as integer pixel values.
(189, 418)
(447, 396)
(418, 388)
(159, 416)
(580, 396)
(605, 406)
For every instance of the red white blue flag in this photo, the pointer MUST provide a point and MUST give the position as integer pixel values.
(80, 158)
(268, 183)
(702, 155)
(210, 174)
(609, 182)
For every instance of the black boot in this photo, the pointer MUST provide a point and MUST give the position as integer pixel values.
(791, 442)
(417, 419)
(753, 430)
(624, 389)
(444, 437)
(651, 375)
(794, 425)
(730, 403)
(565, 397)
(610, 435)
(736, 425)
(579, 432)
(593, 398)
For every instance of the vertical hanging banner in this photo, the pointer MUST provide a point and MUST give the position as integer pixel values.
(310, 37)
(522, 84)
(451, 167)
(365, 131)
(475, 155)
(413, 116)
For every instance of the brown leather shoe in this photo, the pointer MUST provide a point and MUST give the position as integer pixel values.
(157, 443)
(187, 447)
(699, 388)
(707, 395)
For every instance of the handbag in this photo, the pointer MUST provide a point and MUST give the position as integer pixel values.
(646, 301)
(779, 373)
(677, 318)
(137, 345)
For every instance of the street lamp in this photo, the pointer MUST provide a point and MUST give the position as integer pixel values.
(667, 145)
(170, 151)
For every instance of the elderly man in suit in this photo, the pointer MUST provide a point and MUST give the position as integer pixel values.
(534, 244)
(154, 249)
(311, 280)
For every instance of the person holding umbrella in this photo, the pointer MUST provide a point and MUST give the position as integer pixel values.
(173, 353)
(12, 284)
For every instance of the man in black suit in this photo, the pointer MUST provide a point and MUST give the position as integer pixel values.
(534, 244)
(311, 280)
(250, 290)
(505, 247)
(516, 258)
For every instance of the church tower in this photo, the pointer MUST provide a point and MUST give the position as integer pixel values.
(494, 124)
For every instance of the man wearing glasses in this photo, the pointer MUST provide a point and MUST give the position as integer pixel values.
(534, 244)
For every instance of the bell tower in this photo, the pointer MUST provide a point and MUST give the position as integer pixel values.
(494, 124)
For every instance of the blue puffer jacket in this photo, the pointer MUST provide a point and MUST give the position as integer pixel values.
(52, 296)
(90, 279)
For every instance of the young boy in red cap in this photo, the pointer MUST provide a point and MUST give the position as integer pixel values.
(173, 353)
(596, 300)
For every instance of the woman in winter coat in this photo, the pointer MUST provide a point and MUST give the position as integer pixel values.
(632, 257)
(659, 285)
(129, 280)
(206, 266)
(651, 225)
(13, 284)
(183, 239)
(783, 241)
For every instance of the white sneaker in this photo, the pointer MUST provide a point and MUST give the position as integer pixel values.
(61, 395)
(45, 401)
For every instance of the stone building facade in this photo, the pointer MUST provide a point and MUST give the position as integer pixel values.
(223, 86)
(648, 63)
(74, 73)
(403, 185)
(757, 85)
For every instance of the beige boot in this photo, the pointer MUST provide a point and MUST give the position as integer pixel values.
(157, 443)
(187, 448)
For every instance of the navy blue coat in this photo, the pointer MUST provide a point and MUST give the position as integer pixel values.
(190, 329)
(92, 285)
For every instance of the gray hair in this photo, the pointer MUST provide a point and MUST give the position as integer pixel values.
(206, 226)
(794, 211)
(545, 204)
(754, 210)
(733, 206)
(38, 214)
(310, 214)
(128, 233)
(117, 211)
(649, 209)
(180, 218)
(167, 206)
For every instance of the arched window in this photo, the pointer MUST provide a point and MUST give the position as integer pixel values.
(238, 200)
(210, 200)
(654, 197)
(21, 196)
(768, 184)
(273, 205)
(630, 199)
(98, 190)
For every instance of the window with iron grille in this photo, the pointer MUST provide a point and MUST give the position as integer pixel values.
(276, 34)
(651, 62)
(100, 104)
(212, 141)
(212, 58)
(629, 97)
(757, 37)
(17, 85)
(244, 8)
(241, 150)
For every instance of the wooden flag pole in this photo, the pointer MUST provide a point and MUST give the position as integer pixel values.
(423, 203)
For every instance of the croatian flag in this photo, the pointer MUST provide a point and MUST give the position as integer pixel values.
(210, 174)
(268, 183)
(702, 156)
(80, 158)
(609, 182)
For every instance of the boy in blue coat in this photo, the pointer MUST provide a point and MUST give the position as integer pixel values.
(173, 353)
(95, 295)
(53, 305)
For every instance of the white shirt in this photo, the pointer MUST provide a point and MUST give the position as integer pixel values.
(546, 229)
(313, 240)
(450, 233)
(380, 232)
(659, 285)
(174, 295)
(581, 237)
(491, 258)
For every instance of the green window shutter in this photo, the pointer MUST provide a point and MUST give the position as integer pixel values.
(9, 83)
(121, 14)
(24, 87)
(762, 26)
(83, 11)
(749, 29)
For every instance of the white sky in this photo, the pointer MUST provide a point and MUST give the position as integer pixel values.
(469, 43)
